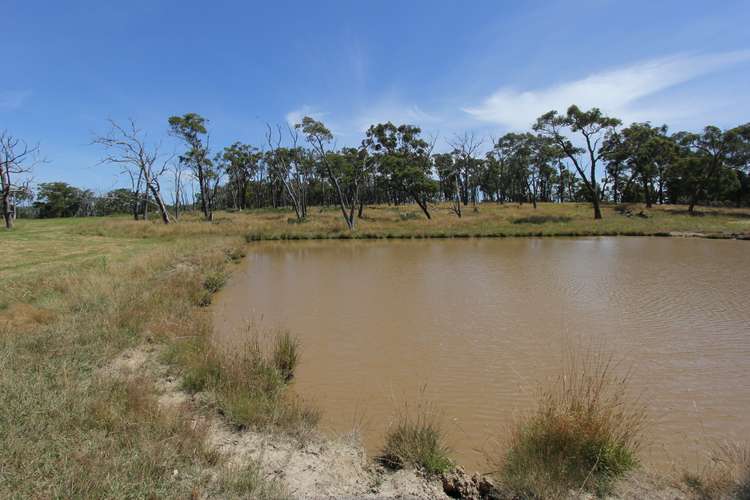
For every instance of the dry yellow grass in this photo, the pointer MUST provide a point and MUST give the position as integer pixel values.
(570, 219)
(66, 428)
(583, 437)
(76, 292)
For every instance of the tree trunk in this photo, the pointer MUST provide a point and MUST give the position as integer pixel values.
(597, 209)
(647, 192)
(7, 215)
(457, 203)
(422, 205)
(160, 204)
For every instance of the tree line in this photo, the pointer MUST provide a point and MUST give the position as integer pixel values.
(582, 156)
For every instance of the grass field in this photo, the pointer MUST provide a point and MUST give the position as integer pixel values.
(37, 246)
(74, 293)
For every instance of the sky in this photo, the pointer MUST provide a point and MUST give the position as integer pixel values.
(448, 66)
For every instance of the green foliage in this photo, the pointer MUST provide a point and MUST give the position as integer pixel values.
(214, 281)
(59, 199)
(285, 354)
(250, 384)
(583, 436)
(417, 440)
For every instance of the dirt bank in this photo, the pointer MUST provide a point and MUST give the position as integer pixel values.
(317, 466)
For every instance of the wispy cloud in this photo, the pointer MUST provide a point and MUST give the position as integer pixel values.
(295, 116)
(396, 112)
(616, 91)
(13, 99)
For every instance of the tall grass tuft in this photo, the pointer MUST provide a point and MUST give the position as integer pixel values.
(248, 481)
(250, 384)
(583, 436)
(727, 474)
(417, 440)
(285, 354)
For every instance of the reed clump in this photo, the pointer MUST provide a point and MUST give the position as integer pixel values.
(725, 476)
(583, 436)
(417, 440)
(249, 385)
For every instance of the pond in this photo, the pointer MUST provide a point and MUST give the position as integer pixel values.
(474, 326)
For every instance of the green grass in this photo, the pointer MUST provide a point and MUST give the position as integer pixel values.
(71, 303)
(416, 440)
(74, 293)
(249, 384)
(492, 220)
(583, 436)
(286, 354)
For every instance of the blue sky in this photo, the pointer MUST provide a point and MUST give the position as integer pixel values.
(448, 66)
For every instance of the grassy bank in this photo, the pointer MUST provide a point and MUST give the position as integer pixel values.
(69, 304)
(406, 222)
(76, 293)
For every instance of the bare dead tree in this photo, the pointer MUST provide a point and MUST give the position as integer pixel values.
(464, 147)
(17, 158)
(127, 147)
(286, 166)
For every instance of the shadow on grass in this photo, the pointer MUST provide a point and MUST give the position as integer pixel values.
(541, 219)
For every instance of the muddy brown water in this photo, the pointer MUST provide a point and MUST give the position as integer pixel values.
(474, 326)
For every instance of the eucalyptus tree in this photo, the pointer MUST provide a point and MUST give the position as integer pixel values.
(708, 155)
(288, 166)
(616, 167)
(543, 153)
(593, 126)
(17, 159)
(240, 162)
(403, 161)
(191, 129)
(127, 147)
(319, 138)
(644, 150)
(443, 166)
(514, 150)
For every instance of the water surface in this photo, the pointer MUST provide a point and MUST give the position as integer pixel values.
(477, 325)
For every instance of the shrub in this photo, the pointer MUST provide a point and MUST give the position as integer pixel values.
(417, 441)
(583, 436)
(234, 254)
(214, 281)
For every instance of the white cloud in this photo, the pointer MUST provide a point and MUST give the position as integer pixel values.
(615, 91)
(13, 99)
(295, 116)
(396, 112)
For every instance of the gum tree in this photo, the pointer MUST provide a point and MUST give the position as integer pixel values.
(287, 165)
(319, 138)
(593, 126)
(191, 129)
(403, 161)
(707, 155)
